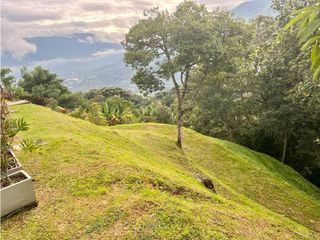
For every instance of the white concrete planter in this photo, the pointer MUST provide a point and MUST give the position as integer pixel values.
(17, 196)
(16, 169)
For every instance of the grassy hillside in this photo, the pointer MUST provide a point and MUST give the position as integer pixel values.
(131, 182)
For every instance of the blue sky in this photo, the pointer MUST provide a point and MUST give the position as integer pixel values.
(107, 20)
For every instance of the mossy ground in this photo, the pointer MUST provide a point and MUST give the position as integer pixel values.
(132, 182)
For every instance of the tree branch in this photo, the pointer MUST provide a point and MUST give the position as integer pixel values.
(176, 85)
(197, 91)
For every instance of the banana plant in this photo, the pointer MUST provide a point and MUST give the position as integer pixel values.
(112, 113)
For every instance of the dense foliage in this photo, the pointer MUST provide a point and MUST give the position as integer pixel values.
(7, 80)
(41, 86)
(270, 102)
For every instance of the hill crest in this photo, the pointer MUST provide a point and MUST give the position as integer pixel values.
(130, 181)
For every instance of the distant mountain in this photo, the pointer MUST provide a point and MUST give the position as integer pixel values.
(111, 74)
(66, 47)
(251, 9)
(87, 63)
(77, 45)
(83, 62)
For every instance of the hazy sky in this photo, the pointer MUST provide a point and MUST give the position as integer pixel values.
(107, 19)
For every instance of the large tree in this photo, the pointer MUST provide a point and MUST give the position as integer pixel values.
(42, 84)
(182, 46)
(267, 99)
(222, 105)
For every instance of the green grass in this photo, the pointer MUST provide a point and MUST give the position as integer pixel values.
(131, 182)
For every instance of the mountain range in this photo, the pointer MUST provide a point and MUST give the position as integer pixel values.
(86, 63)
(251, 9)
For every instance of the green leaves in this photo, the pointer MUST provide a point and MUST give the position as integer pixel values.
(309, 33)
(29, 145)
(110, 110)
(118, 110)
(9, 129)
(163, 44)
(147, 81)
(42, 85)
(6, 79)
(15, 126)
(21, 125)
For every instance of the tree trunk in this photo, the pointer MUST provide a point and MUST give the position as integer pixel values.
(231, 134)
(179, 140)
(4, 169)
(180, 122)
(285, 143)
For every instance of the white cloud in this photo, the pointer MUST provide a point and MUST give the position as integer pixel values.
(108, 52)
(109, 20)
(229, 4)
(13, 41)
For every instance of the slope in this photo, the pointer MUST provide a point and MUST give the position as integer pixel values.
(131, 182)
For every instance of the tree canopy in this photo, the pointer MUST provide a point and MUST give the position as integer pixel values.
(7, 79)
(183, 46)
